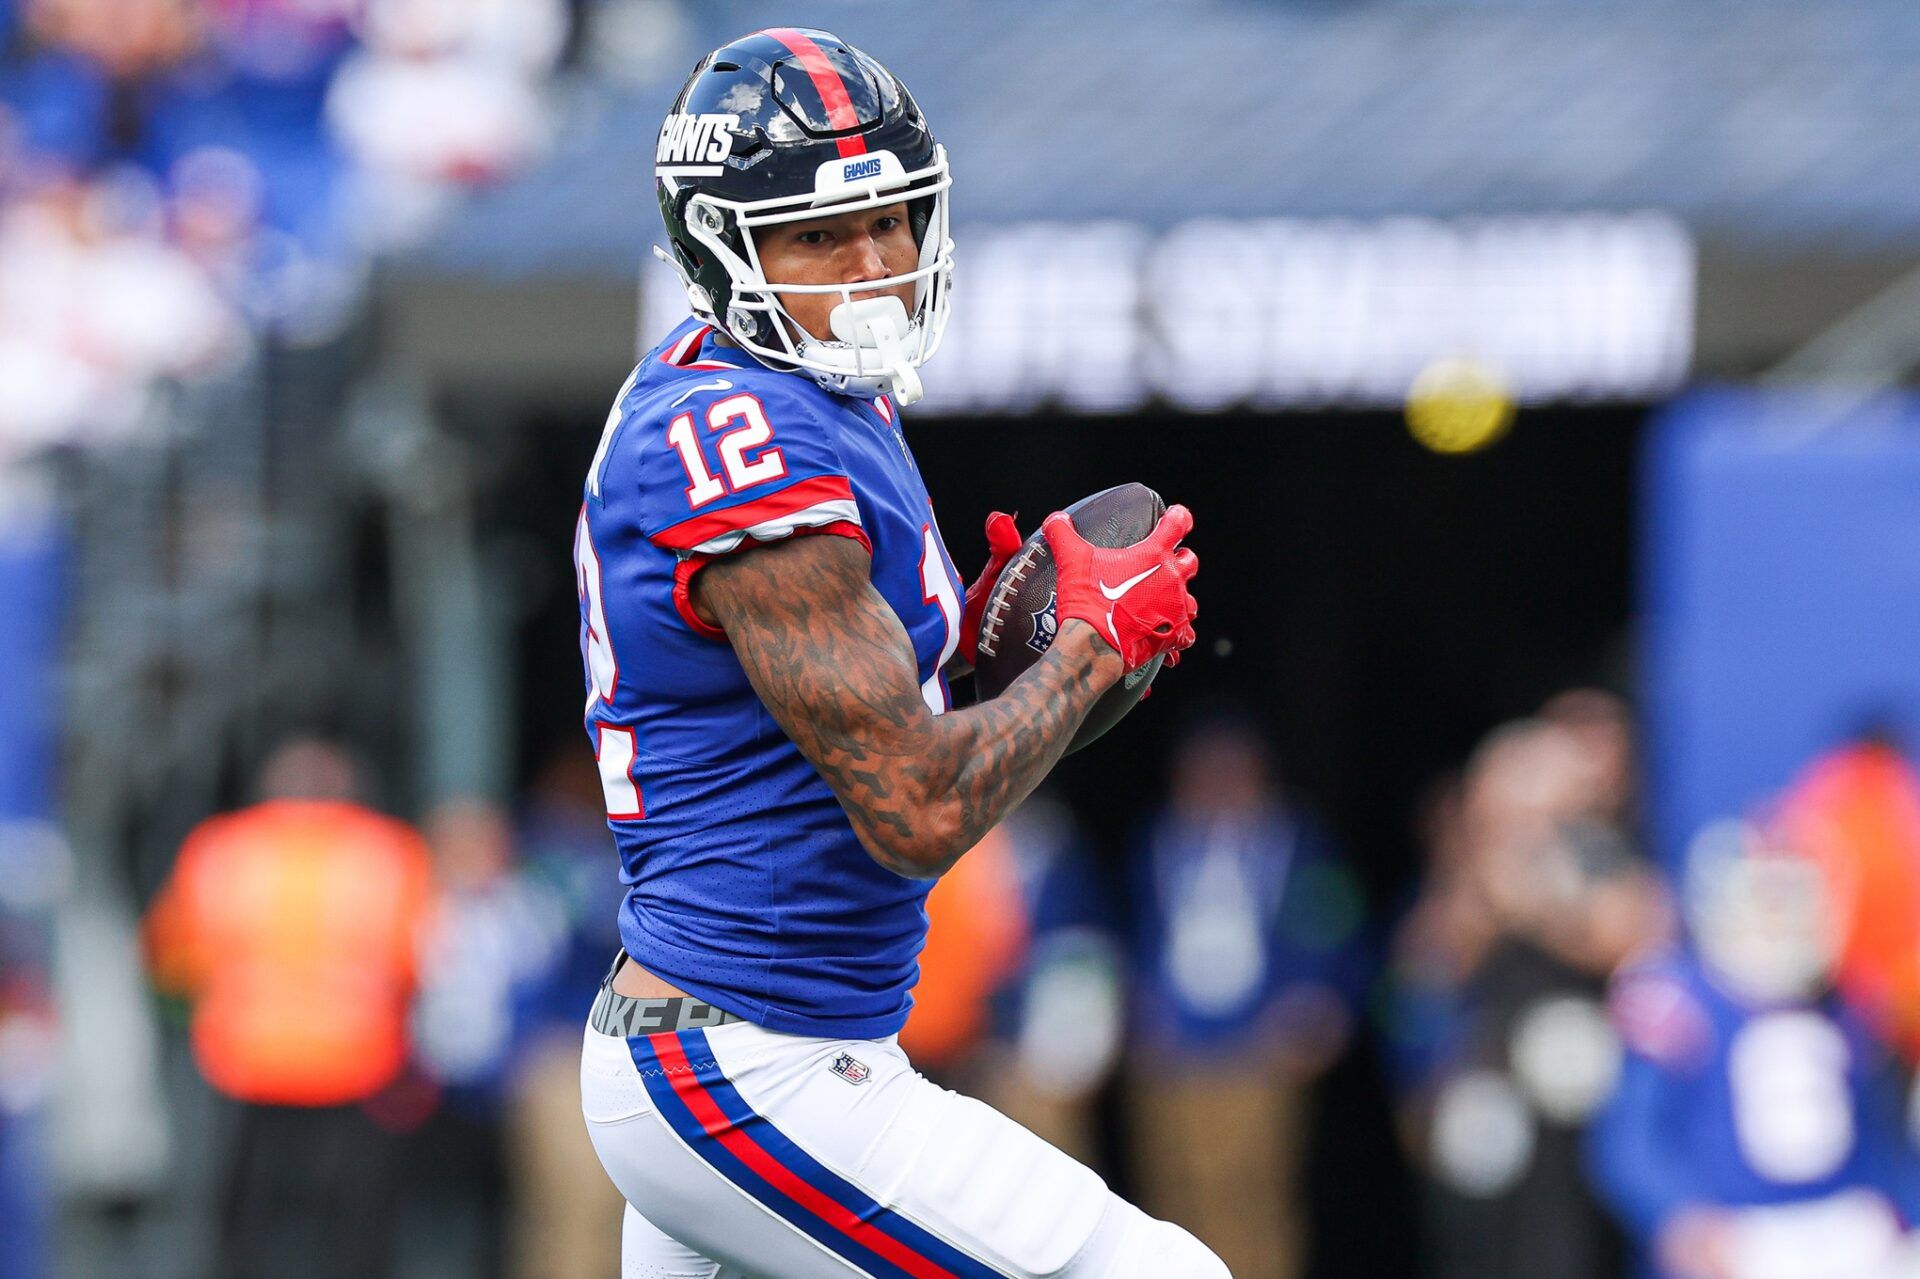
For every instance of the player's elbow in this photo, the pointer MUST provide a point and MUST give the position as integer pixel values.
(923, 847)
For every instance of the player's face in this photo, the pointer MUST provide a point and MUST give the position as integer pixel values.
(845, 248)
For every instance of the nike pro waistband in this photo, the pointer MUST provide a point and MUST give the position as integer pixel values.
(626, 1016)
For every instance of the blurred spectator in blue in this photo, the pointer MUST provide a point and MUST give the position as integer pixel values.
(566, 854)
(1062, 1017)
(230, 167)
(565, 1219)
(1019, 999)
(150, 82)
(491, 940)
(83, 79)
(1534, 893)
(1757, 1131)
(1246, 942)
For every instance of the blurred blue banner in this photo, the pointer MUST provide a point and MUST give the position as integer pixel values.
(1781, 605)
(31, 567)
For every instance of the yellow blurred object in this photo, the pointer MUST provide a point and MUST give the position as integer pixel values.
(1458, 406)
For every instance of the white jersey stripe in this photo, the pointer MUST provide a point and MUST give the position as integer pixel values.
(837, 511)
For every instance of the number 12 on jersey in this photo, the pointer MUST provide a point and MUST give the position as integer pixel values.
(741, 471)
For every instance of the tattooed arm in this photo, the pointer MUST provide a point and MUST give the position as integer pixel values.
(833, 664)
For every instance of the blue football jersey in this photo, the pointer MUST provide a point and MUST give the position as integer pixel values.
(1738, 1106)
(745, 883)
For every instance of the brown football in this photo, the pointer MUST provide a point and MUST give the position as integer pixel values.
(1019, 623)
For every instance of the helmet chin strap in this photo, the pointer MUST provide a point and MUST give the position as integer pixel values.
(696, 296)
(876, 330)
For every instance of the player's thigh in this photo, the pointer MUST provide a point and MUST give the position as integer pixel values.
(1132, 1245)
(648, 1252)
(1023, 1206)
(684, 1216)
(683, 1219)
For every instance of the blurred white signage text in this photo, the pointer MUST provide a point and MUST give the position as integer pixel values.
(1110, 316)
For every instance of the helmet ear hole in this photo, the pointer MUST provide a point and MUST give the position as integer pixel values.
(742, 320)
(688, 254)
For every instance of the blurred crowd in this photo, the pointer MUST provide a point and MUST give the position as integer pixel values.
(1704, 1074)
(440, 977)
(403, 1006)
(1534, 892)
(181, 178)
(1601, 1065)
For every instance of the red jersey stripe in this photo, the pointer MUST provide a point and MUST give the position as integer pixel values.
(689, 533)
(683, 575)
(687, 346)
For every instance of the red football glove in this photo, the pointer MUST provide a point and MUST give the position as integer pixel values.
(1003, 543)
(1135, 596)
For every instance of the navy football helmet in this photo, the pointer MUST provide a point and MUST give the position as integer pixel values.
(788, 124)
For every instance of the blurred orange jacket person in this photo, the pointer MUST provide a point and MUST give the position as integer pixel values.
(976, 940)
(1857, 812)
(290, 927)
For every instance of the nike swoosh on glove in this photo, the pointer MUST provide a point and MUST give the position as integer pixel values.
(1003, 543)
(1135, 596)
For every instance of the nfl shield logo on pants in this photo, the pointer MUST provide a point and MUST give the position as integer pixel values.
(851, 1069)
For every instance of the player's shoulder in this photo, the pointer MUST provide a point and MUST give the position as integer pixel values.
(693, 373)
(706, 448)
(1659, 1007)
(687, 393)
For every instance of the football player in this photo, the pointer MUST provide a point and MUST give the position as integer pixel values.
(1757, 1129)
(769, 620)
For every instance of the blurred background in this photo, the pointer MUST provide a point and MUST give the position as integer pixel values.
(1522, 877)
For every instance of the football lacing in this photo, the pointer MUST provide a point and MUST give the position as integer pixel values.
(1002, 596)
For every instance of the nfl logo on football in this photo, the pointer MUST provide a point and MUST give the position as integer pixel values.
(851, 1069)
(1045, 623)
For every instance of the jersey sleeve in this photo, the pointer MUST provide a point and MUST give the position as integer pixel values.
(1637, 1163)
(751, 462)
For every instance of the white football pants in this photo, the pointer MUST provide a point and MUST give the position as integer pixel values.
(745, 1154)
